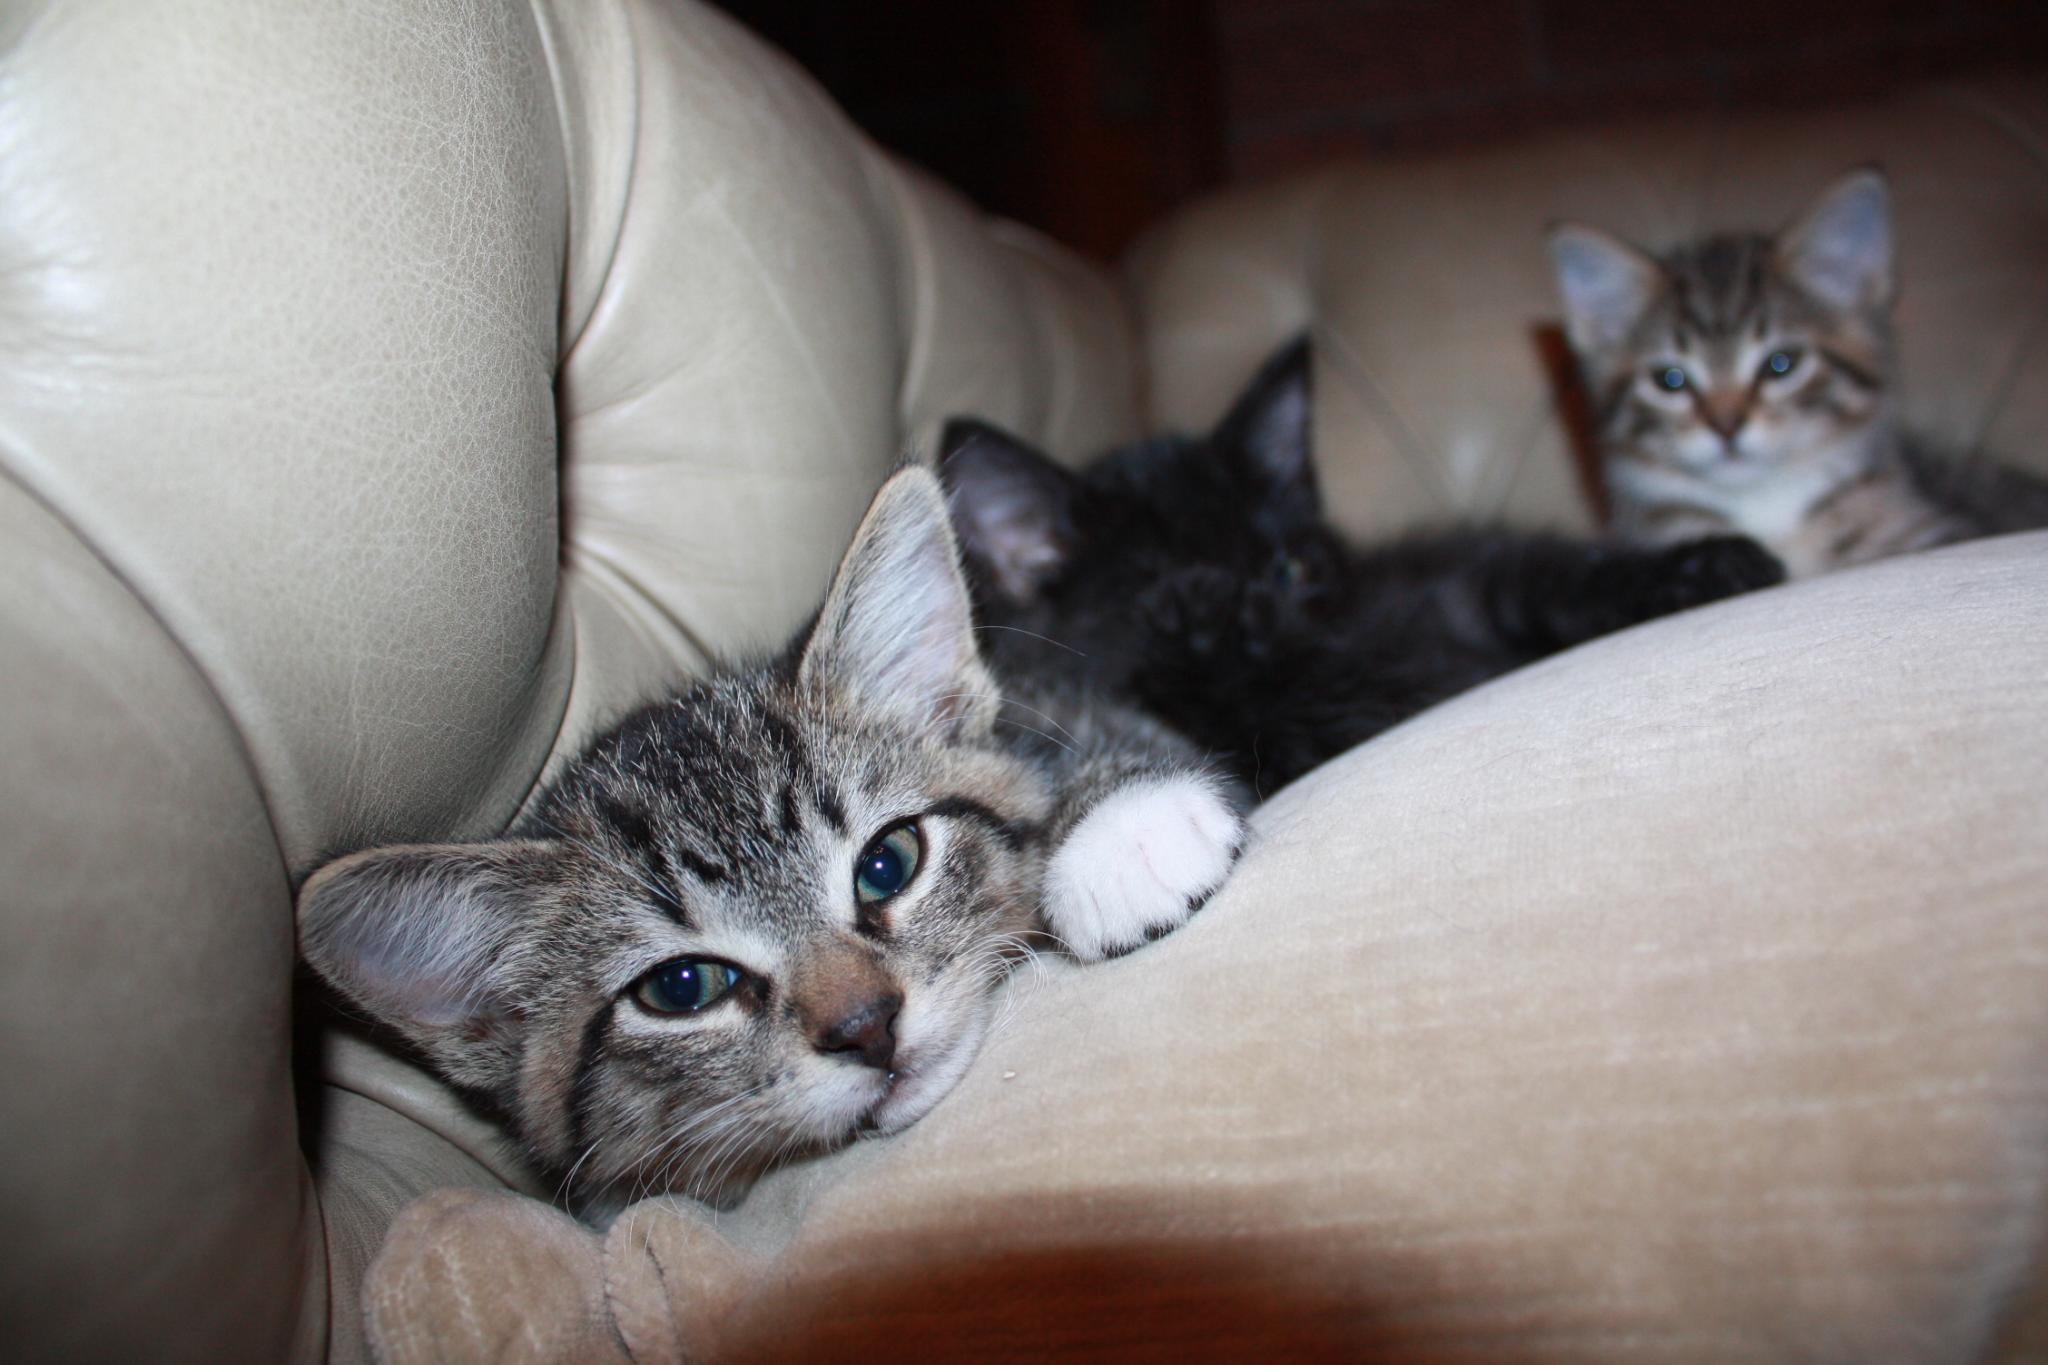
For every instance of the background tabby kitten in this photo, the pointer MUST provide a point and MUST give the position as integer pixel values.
(1197, 576)
(762, 917)
(1745, 382)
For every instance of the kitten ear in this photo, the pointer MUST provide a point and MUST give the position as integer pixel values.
(1012, 507)
(1268, 434)
(1840, 249)
(897, 627)
(414, 935)
(1606, 284)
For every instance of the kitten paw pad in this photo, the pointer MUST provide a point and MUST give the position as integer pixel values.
(1139, 864)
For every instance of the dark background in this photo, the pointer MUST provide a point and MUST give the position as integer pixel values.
(1091, 118)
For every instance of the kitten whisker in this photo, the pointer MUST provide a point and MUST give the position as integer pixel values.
(1052, 936)
(1032, 729)
(1004, 700)
(1057, 644)
(791, 1143)
(1012, 701)
(722, 1161)
(682, 1139)
(1020, 984)
(568, 1181)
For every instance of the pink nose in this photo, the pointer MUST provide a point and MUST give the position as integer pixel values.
(1725, 410)
(847, 1001)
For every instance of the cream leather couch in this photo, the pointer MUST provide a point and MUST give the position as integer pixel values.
(392, 391)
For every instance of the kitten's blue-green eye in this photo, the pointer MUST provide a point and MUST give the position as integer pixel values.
(1672, 378)
(887, 865)
(686, 985)
(1778, 364)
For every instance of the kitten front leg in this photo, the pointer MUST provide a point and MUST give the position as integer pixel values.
(1692, 574)
(1544, 594)
(1139, 848)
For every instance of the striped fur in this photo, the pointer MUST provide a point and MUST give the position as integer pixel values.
(1802, 452)
(725, 825)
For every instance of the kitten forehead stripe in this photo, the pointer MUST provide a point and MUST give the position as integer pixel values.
(630, 825)
(784, 736)
(700, 867)
(829, 807)
(637, 832)
(1689, 314)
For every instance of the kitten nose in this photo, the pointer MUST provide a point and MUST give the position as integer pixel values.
(869, 1029)
(847, 1001)
(1725, 410)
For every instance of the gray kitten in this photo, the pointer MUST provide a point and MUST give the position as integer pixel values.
(1745, 383)
(766, 916)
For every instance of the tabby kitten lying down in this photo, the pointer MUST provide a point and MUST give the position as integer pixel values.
(1746, 383)
(1198, 577)
(768, 915)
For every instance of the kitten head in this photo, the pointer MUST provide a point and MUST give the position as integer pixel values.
(1184, 537)
(749, 922)
(1739, 355)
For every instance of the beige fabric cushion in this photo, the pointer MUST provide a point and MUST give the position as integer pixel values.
(1427, 284)
(1681, 998)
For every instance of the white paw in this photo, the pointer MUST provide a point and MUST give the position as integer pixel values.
(1140, 864)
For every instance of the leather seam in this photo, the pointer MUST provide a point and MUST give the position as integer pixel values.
(635, 142)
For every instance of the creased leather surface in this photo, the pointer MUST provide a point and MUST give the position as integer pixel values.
(278, 295)
(153, 1199)
(1010, 327)
(728, 391)
(1426, 281)
(761, 314)
(1679, 999)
